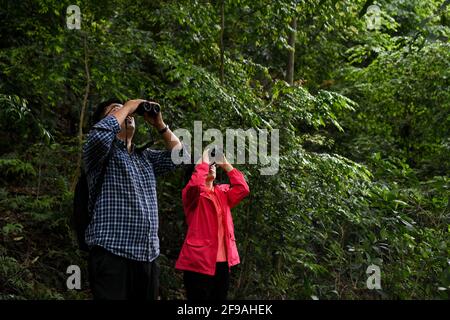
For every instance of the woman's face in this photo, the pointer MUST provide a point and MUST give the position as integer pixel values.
(211, 173)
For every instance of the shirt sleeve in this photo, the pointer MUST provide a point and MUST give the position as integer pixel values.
(162, 160)
(99, 142)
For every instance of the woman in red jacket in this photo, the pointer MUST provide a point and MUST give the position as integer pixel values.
(209, 250)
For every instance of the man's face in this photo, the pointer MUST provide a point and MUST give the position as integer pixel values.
(129, 121)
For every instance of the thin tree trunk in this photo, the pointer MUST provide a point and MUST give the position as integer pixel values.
(83, 112)
(222, 28)
(291, 61)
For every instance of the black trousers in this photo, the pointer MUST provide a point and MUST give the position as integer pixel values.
(202, 287)
(113, 277)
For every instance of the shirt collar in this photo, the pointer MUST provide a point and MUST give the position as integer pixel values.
(121, 144)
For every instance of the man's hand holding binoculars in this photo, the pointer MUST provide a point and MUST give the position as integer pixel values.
(156, 121)
(151, 111)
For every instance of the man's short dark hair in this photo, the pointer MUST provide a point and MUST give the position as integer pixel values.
(100, 109)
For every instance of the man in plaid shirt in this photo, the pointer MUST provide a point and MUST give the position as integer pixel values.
(123, 232)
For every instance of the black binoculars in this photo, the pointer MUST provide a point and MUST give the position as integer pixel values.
(151, 108)
(216, 151)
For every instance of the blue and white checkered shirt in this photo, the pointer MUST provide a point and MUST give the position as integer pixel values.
(125, 214)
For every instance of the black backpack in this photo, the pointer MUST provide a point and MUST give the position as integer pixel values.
(81, 216)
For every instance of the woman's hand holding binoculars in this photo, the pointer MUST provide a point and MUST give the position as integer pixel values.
(219, 159)
(224, 164)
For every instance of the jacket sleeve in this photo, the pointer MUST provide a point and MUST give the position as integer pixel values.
(99, 142)
(196, 185)
(238, 188)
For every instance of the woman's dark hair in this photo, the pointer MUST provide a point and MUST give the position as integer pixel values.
(188, 171)
(100, 109)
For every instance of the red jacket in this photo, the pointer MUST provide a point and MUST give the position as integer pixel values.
(199, 251)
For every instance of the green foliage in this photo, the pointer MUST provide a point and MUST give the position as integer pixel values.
(14, 279)
(364, 137)
(14, 228)
(18, 121)
(407, 116)
(16, 168)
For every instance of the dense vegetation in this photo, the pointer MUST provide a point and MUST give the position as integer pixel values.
(363, 114)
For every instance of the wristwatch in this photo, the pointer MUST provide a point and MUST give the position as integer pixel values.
(164, 129)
